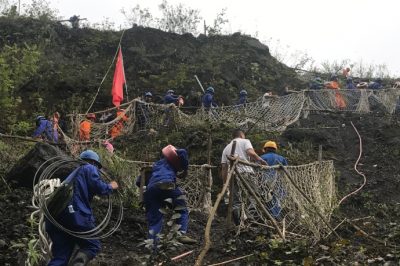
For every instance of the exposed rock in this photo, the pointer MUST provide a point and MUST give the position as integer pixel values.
(23, 172)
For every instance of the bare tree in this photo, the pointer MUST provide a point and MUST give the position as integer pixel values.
(179, 19)
(138, 16)
(219, 22)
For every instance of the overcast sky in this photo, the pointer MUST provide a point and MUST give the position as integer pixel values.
(367, 30)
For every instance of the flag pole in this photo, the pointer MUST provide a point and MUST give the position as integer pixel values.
(123, 69)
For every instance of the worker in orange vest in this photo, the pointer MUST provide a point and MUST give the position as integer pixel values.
(119, 125)
(334, 85)
(86, 126)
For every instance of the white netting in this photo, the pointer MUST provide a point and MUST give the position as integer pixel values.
(271, 113)
(196, 185)
(294, 214)
(267, 113)
(358, 100)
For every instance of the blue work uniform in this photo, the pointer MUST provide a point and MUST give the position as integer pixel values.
(350, 85)
(208, 100)
(278, 192)
(274, 159)
(242, 100)
(155, 195)
(170, 98)
(45, 129)
(78, 216)
(375, 85)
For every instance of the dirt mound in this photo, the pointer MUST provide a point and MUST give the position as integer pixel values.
(74, 61)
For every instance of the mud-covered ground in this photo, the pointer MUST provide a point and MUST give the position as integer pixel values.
(375, 209)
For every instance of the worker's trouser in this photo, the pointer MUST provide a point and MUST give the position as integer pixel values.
(154, 200)
(236, 200)
(63, 243)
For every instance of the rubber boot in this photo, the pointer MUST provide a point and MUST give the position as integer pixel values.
(80, 259)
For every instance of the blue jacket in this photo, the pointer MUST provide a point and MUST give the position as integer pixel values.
(375, 85)
(208, 100)
(350, 86)
(242, 100)
(87, 184)
(163, 172)
(274, 159)
(45, 129)
(170, 98)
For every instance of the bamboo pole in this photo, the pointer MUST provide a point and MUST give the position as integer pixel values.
(30, 139)
(207, 240)
(309, 201)
(261, 205)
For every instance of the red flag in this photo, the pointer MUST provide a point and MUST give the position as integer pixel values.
(119, 80)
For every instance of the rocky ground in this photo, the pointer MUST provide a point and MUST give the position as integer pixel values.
(375, 210)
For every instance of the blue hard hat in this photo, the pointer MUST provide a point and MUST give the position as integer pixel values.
(148, 94)
(210, 89)
(40, 117)
(91, 155)
(243, 92)
(170, 91)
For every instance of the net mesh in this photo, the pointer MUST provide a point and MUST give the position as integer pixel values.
(270, 113)
(359, 101)
(295, 215)
(196, 185)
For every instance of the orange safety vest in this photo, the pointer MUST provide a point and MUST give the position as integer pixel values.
(340, 102)
(84, 130)
(117, 128)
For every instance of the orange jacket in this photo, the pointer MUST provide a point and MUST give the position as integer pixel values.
(119, 125)
(332, 85)
(84, 130)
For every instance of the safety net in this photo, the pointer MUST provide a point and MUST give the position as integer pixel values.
(300, 202)
(196, 185)
(269, 113)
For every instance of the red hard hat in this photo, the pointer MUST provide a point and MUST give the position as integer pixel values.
(170, 154)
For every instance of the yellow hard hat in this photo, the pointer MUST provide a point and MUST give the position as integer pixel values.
(271, 144)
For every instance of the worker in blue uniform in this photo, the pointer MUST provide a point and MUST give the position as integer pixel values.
(270, 176)
(44, 129)
(376, 85)
(270, 156)
(78, 215)
(242, 98)
(170, 97)
(208, 99)
(161, 186)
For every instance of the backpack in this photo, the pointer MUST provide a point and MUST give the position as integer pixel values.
(62, 196)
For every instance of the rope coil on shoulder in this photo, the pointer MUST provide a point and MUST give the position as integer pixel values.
(41, 193)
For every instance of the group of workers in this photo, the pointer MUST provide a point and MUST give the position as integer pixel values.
(350, 84)
(159, 185)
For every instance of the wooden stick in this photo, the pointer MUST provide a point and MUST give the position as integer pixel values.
(207, 244)
(29, 139)
(178, 257)
(260, 204)
(232, 158)
(371, 237)
(232, 260)
(309, 200)
(271, 227)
